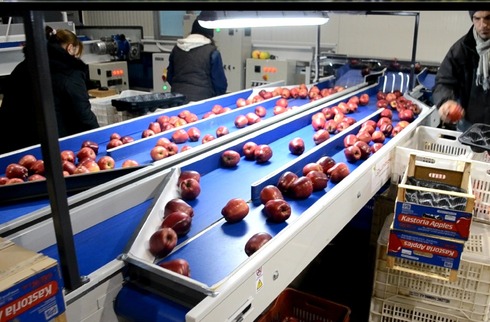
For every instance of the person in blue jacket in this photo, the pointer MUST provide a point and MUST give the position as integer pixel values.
(464, 75)
(195, 66)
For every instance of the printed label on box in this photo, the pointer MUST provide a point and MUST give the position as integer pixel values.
(38, 298)
(431, 220)
(425, 249)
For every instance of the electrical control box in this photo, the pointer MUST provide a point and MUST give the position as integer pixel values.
(265, 71)
(112, 75)
(160, 64)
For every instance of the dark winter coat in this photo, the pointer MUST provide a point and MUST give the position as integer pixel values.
(19, 128)
(455, 80)
(71, 99)
(196, 69)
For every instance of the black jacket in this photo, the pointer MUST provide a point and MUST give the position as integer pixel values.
(19, 128)
(455, 80)
(69, 78)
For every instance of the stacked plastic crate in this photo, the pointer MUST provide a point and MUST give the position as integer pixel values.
(106, 113)
(415, 291)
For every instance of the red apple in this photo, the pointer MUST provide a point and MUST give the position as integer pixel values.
(189, 174)
(367, 127)
(383, 120)
(68, 155)
(282, 102)
(129, 163)
(386, 113)
(382, 104)
(91, 165)
(115, 136)
(114, 143)
(320, 136)
(262, 153)
(191, 117)
(189, 189)
(390, 97)
(180, 136)
(235, 210)
(178, 265)
(277, 210)
(318, 122)
(378, 136)
(91, 144)
(86, 152)
(3, 180)
(172, 149)
(222, 130)
(27, 160)
(260, 111)
(162, 242)
(326, 162)
(185, 148)
(127, 139)
(338, 172)
(163, 119)
(386, 129)
(352, 153)
(230, 158)
(81, 169)
(158, 152)
(155, 127)
(285, 181)
(255, 242)
(106, 162)
(364, 99)
(15, 170)
(278, 110)
(249, 150)
(68, 166)
(364, 136)
(301, 188)
(180, 222)
(318, 179)
(14, 181)
(297, 146)
(207, 137)
(312, 166)
(177, 205)
(349, 140)
(270, 192)
(241, 102)
(36, 177)
(241, 121)
(216, 109)
(365, 149)
(194, 134)
(146, 133)
(37, 167)
(406, 115)
(331, 126)
(165, 142)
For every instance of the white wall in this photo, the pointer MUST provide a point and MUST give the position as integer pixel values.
(375, 36)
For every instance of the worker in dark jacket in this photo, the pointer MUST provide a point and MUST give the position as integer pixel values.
(69, 78)
(463, 77)
(195, 66)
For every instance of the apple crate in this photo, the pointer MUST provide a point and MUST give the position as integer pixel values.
(305, 307)
(406, 310)
(480, 182)
(469, 294)
(432, 142)
(106, 113)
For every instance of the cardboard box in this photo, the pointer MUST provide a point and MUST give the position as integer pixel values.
(442, 252)
(30, 286)
(436, 215)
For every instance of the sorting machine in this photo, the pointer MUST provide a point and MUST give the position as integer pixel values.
(113, 217)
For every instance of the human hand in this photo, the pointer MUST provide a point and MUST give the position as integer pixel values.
(451, 112)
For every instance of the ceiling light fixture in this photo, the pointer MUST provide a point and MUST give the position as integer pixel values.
(249, 19)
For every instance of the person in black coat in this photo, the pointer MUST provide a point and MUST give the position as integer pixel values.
(195, 66)
(71, 101)
(463, 76)
(69, 76)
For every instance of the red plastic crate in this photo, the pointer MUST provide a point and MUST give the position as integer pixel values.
(305, 307)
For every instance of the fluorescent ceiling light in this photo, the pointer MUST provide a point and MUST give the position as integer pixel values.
(248, 19)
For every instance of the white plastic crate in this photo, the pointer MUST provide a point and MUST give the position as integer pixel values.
(433, 141)
(108, 114)
(483, 156)
(398, 309)
(469, 294)
(480, 181)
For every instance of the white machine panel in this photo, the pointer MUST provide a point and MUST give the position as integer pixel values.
(235, 46)
(110, 74)
(160, 64)
(265, 71)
